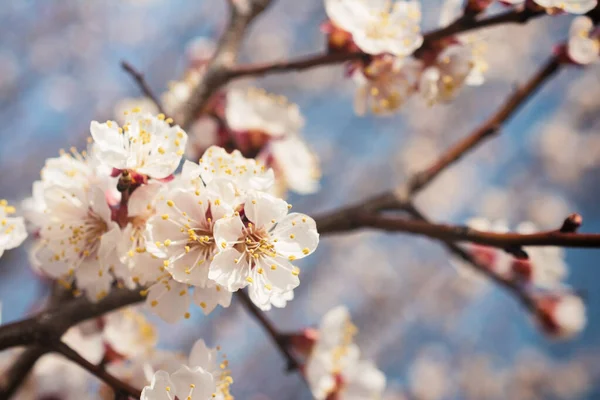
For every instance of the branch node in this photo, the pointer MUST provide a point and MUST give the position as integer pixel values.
(572, 223)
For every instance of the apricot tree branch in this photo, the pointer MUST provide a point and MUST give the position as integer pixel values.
(457, 233)
(343, 219)
(115, 383)
(242, 13)
(277, 337)
(463, 24)
(143, 85)
(222, 68)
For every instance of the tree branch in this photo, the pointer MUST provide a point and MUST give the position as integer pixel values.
(278, 338)
(402, 196)
(242, 13)
(456, 233)
(12, 379)
(143, 85)
(461, 25)
(115, 383)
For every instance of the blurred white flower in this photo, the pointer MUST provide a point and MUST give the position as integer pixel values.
(12, 229)
(379, 26)
(295, 165)
(129, 333)
(546, 267)
(561, 315)
(203, 378)
(124, 106)
(385, 84)
(442, 81)
(570, 6)
(146, 144)
(429, 377)
(334, 368)
(254, 111)
(581, 47)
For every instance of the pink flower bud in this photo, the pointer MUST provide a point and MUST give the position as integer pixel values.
(561, 316)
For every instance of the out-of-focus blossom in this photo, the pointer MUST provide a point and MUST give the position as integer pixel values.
(295, 165)
(561, 315)
(546, 267)
(129, 333)
(124, 106)
(570, 6)
(582, 48)
(256, 113)
(379, 27)
(385, 84)
(203, 378)
(200, 50)
(146, 145)
(334, 368)
(441, 81)
(429, 377)
(12, 229)
(495, 260)
(474, 42)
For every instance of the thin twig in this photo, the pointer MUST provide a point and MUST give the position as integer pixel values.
(143, 85)
(12, 378)
(242, 13)
(343, 219)
(510, 286)
(461, 25)
(455, 233)
(277, 337)
(118, 385)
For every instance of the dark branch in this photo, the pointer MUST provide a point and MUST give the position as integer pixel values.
(115, 383)
(278, 338)
(454, 233)
(242, 13)
(143, 85)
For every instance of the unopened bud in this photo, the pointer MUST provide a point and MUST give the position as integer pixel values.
(561, 315)
(572, 223)
(475, 7)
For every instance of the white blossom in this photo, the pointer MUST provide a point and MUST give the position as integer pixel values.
(441, 81)
(582, 48)
(569, 316)
(12, 229)
(495, 260)
(258, 249)
(254, 111)
(296, 166)
(79, 239)
(245, 174)
(146, 144)
(570, 6)
(379, 26)
(203, 378)
(124, 106)
(385, 84)
(546, 264)
(561, 315)
(334, 367)
(129, 333)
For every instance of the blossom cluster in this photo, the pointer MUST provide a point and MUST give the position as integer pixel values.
(334, 368)
(389, 33)
(119, 215)
(560, 312)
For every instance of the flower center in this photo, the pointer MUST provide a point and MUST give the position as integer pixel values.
(255, 243)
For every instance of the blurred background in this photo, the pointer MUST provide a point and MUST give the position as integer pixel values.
(433, 333)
